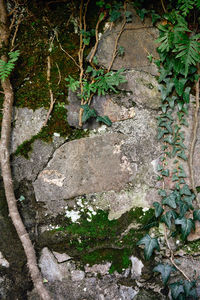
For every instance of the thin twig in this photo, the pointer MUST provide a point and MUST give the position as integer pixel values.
(97, 38)
(163, 6)
(117, 39)
(16, 30)
(68, 54)
(172, 255)
(52, 100)
(194, 138)
(59, 74)
(82, 24)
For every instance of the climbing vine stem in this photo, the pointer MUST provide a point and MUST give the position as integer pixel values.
(194, 137)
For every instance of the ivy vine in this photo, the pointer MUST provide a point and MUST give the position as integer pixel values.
(178, 65)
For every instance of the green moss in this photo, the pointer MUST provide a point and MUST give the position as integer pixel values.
(101, 239)
(192, 247)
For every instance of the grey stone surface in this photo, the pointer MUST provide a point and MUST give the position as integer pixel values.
(138, 40)
(77, 275)
(27, 123)
(3, 261)
(90, 288)
(50, 268)
(28, 169)
(102, 269)
(61, 257)
(84, 166)
(104, 106)
(5, 287)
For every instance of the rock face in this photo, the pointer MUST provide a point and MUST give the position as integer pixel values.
(113, 169)
(141, 90)
(85, 166)
(137, 39)
(26, 124)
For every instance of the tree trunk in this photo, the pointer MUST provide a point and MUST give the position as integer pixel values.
(6, 170)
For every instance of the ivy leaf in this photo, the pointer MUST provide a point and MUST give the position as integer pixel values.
(196, 215)
(165, 173)
(141, 13)
(104, 119)
(168, 139)
(186, 94)
(87, 113)
(158, 209)
(128, 15)
(170, 200)
(162, 193)
(175, 177)
(176, 289)
(189, 289)
(166, 218)
(165, 91)
(161, 132)
(184, 207)
(185, 190)
(159, 167)
(179, 85)
(188, 200)
(120, 51)
(150, 245)
(186, 226)
(182, 155)
(165, 271)
(167, 125)
(114, 15)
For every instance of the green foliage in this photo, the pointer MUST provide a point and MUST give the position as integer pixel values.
(150, 245)
(165, 271)
(158, 209)
(7, 67)
(179, 51)
(186, 226)
(87, 113)
(105, 120)
(183, 290)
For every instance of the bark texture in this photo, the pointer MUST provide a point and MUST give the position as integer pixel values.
(6, 170)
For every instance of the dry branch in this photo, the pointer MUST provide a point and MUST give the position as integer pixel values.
(6, 169)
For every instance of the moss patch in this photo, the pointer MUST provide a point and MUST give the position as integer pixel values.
(100, 239)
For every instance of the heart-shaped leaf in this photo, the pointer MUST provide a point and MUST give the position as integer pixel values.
(164, 270)
(150, 245)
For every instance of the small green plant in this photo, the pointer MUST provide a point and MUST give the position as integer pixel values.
(7, 67)
(93, 80)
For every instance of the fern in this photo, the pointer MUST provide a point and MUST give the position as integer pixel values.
(166, 38)
(7, 67)
(186, 6)
(189, 51)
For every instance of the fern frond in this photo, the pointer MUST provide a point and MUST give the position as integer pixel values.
(166, 38)
(7, 67)
(189, 51)
(186, 6)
